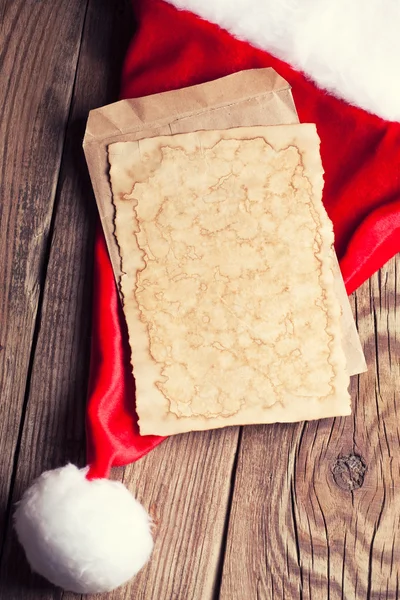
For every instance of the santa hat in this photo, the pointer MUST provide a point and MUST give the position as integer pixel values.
(64, 521)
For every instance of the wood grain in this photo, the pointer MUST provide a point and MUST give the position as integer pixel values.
(53, 430)
(316, 506)
(39, 50)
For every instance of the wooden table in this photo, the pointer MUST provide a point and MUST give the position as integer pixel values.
(310, 510)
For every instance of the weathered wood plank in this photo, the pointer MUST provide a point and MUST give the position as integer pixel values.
(54, 422)
(38, 54)
(316, 506)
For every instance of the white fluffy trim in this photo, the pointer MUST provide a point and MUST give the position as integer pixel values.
(84, 536)
(351, 48)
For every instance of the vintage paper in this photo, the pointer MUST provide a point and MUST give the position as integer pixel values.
(252, 97)
(227, 284)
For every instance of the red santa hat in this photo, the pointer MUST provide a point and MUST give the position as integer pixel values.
(88, 534)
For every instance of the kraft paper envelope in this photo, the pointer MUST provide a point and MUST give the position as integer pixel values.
(248, 98)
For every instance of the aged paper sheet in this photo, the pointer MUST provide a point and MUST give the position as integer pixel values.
(227, 278)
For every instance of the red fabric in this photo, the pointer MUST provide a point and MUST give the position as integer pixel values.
(112, 432)
(360, 153)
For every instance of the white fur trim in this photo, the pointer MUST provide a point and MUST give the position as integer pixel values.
(351, 48)
(84, 536)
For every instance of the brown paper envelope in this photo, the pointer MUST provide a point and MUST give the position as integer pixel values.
(248, 98)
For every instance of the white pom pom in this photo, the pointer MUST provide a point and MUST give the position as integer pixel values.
(84, 536)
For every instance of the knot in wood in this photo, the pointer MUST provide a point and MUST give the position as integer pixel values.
(349, 472)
